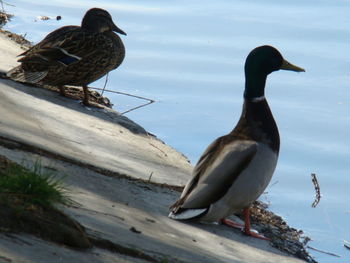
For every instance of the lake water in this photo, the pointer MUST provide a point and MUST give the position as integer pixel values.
(188, 55)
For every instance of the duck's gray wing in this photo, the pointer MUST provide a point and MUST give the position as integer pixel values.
(216, 171)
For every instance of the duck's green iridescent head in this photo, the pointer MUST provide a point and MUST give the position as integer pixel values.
(260, 62)
(99, 20)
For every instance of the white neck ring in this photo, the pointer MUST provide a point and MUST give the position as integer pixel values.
(258, 99)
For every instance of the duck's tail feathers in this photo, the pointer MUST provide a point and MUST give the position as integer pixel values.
(18, 74)
(186, 214)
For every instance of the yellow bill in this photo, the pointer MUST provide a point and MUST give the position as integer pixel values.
(289, 66)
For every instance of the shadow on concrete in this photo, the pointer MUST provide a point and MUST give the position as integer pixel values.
(52, 96)
(145, 203)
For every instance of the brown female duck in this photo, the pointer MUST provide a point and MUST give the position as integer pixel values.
(73, 55)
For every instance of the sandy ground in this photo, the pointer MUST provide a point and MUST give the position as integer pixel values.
(108, 161)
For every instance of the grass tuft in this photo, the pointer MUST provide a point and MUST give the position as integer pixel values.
(32, 186)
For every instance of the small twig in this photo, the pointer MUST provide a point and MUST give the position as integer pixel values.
(2, 4)
(150, 101)
(150, 177)
(159, 149)
(104, 86)
(126, 94)
(135, 108)
(324, 252)
(306, 240)
(317, 189)
(276, 182)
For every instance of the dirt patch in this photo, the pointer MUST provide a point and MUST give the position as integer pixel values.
(116, 248)
(281, 236)
(49, 223)
(78, 94)
(71, 91)
(45, 222)
(17, 38)
(4, 18)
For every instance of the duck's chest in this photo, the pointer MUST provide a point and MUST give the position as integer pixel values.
(98, 57)
(257, 123)
(106, 53)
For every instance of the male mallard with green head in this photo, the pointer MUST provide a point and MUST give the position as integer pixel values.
(236, 168)
(73, 55)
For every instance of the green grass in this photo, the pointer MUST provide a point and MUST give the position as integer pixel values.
(32, 186)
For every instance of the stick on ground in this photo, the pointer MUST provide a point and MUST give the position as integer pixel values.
(324, 252)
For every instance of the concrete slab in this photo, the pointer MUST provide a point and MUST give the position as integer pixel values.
(34, 250)
(112, 207)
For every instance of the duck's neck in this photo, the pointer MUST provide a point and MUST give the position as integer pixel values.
(254, 86)
(257, 123)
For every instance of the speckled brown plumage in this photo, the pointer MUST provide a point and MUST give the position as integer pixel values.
(74, 55)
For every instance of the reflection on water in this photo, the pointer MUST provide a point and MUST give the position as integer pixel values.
(189, 57)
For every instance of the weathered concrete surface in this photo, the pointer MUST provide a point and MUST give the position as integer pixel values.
(109, 205)
(92, 136)
(62, 126)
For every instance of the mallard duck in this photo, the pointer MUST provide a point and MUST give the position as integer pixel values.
(236, 168)
(73, 55)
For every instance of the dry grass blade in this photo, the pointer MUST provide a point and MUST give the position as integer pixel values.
(32, 186)
(317, 189)
(150, 177)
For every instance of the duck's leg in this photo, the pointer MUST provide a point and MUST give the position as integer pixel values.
(231, 223)
(62, 91)
(86, 96)
(246, 230)
(246, 227)
(68, 95)
(86, 100)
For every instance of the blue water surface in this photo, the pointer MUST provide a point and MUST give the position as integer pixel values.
(188, 55)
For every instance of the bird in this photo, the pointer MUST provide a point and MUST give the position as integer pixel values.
(73, 55)
(236, 168)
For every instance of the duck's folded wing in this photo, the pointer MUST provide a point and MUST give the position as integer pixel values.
(50, 56)
(216, 171)
(65, 45)
(51, 40)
